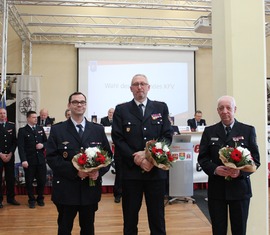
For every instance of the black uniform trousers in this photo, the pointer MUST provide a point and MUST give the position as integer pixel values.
(218, 210)
(133, 191)
(9, 178)
(67, 214)
(117, 187)
(37, 172)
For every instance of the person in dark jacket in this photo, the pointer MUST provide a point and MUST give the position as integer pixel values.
(31, 147)
(196, 121)
(8, 144)
(223, 194)
(132, 127)
(44, 119)
(108, 120)
(71, 191)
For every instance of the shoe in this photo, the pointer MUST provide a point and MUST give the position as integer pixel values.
(117, 199)
(1, 205)
(32, 204)
(41, 203)
(14, 202)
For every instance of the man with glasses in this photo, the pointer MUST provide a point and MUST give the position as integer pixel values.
(196, 121)
(135, 123)
(71, 191)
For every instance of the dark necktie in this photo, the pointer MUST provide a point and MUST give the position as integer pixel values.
(34, 130)
(228, 130)
(141, 108)
(42, 123)
(80, 130)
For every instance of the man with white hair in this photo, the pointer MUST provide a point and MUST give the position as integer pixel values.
(224, 194)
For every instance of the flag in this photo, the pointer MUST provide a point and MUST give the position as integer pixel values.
(2, 100)
(27, 97)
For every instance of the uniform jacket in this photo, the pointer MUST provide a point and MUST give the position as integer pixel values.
(48, 121)
(193, 124)
(213, 139)
(27, 140)
(8, 140)
(63, 144)
(105, 121)
(131, 130)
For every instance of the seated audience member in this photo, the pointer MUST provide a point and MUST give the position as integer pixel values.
(196, 121)
(43, 119)
(67, 113)
(107, 121)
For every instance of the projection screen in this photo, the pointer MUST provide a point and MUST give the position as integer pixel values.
(104, 76)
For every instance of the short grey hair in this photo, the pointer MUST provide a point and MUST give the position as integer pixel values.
(139, 75)
(227, 97)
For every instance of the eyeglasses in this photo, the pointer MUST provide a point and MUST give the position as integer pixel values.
(76, 102)
(139, 84)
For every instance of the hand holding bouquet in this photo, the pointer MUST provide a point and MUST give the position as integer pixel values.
(158, 153)
(92, 159)
(237, 158)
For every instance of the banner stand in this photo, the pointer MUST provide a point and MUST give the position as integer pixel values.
(181, 174)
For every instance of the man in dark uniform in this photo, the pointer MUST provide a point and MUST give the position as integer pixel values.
(196, 121)
(8, 144)
(132, 127)
(71, 191)
(107, 121)
(31, 146)
(225, 194)
(43, 119)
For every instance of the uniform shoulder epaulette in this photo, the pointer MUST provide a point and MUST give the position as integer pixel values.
(122, 103)
(159, 101)
(97, 123)
(57, 123)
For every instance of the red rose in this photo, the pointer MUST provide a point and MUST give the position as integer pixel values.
(170, 157)
(100, 158)
(236, 155)
(157, 151)
(82, 159)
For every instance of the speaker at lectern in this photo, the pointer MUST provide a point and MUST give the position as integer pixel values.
(181, 172)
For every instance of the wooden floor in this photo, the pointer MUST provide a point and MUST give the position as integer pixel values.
(181, 218)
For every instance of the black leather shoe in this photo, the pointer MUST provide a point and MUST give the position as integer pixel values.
(32, 204)
(1, 205)
(117, 199)
(41, 203)
(14, 202)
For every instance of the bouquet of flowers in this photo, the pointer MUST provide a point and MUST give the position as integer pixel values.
(237, 158)
(159, 154)
(92, 159)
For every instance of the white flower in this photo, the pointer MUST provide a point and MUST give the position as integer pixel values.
(91, 152)
(158, 145)
(166, 148)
